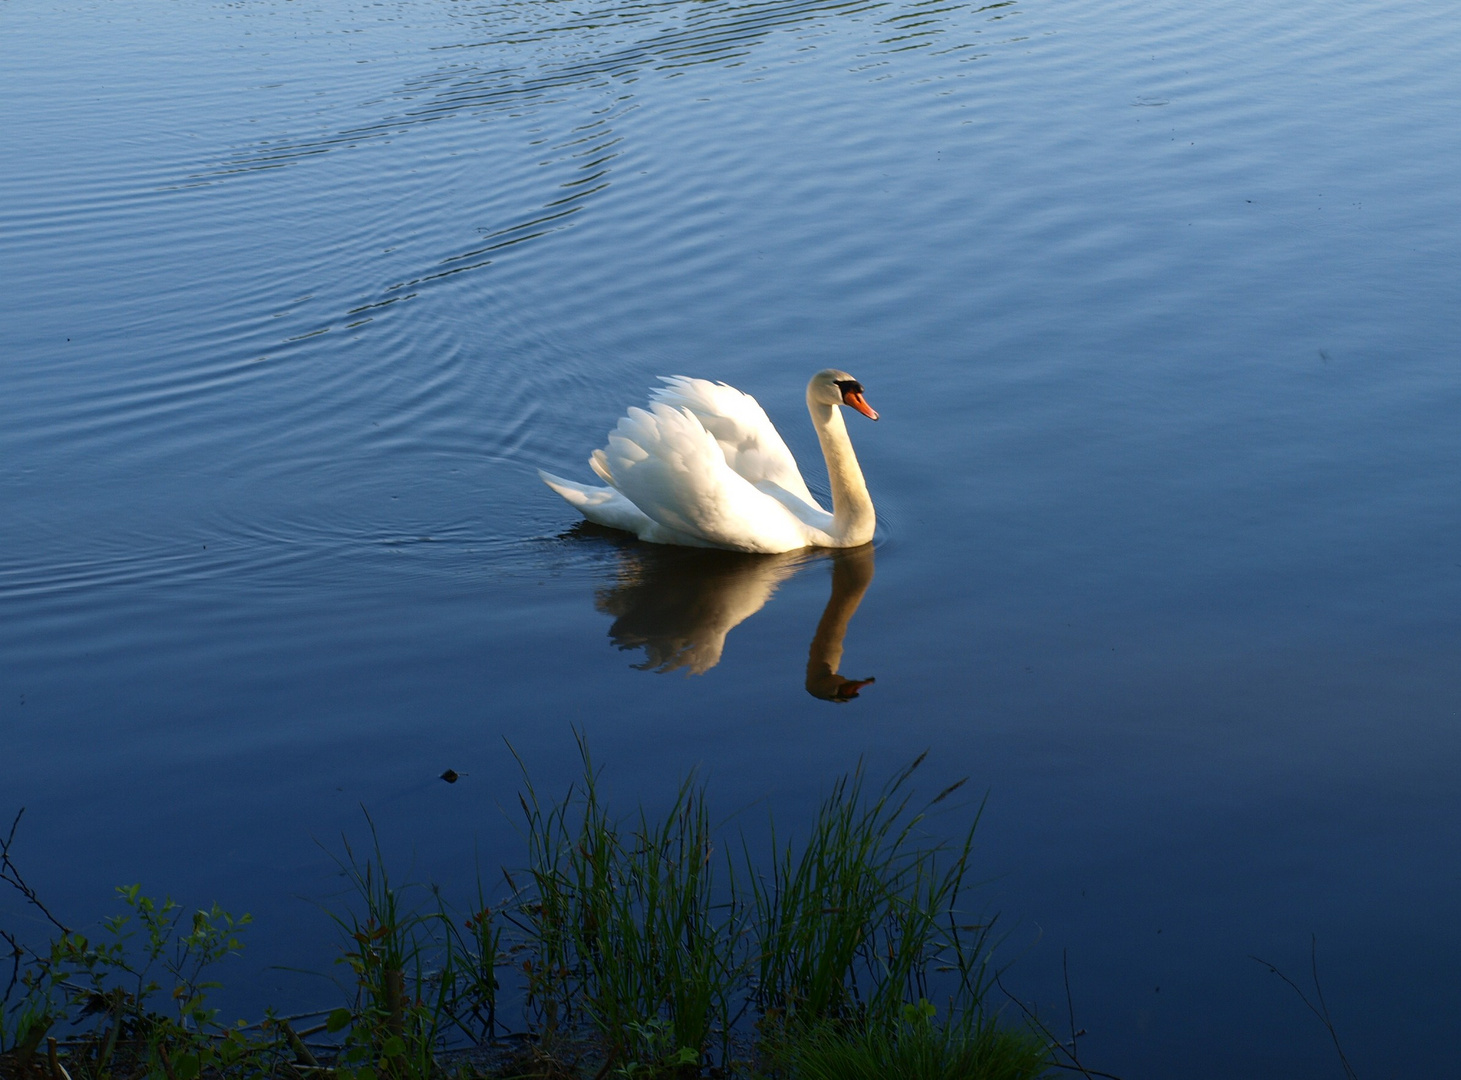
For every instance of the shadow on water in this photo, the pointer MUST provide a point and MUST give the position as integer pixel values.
(679, 604)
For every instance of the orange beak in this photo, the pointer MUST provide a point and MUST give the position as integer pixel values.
(858, 402)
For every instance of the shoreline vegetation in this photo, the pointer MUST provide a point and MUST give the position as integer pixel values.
(636, 948)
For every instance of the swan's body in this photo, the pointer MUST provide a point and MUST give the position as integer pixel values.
(705, 467)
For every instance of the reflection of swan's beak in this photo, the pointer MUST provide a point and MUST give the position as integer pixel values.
(849, 688)
(858, 402)
(852, 572)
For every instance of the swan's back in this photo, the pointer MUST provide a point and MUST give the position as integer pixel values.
(752, 446)
(668, 464)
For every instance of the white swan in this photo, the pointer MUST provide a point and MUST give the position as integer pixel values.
(705, 467)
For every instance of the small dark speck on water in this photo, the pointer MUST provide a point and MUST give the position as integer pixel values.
(450, 776)
(1323, 356)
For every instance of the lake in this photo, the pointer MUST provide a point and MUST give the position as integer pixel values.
(1160, 304)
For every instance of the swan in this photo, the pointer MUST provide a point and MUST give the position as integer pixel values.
(705, 467)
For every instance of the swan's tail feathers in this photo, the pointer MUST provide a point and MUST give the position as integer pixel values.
(601, 505)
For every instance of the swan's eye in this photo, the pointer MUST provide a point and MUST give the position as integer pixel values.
(849, 386)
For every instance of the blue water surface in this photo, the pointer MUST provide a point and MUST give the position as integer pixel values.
(1159, 303)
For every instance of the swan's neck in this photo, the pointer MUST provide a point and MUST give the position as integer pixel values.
(853, 519)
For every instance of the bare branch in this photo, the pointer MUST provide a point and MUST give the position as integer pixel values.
(1074, 1064)
(1322, 1009)
(11, 875)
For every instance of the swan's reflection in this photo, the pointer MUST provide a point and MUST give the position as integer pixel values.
(678, 604)
(852, 572)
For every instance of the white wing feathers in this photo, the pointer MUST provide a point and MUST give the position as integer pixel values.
(752, 446)
(669, 465)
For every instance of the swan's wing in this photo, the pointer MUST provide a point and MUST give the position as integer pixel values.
(750, 442)
(671, 468)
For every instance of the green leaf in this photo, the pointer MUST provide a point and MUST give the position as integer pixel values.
(186, 1067)
(338, 1020)
(395, 1046)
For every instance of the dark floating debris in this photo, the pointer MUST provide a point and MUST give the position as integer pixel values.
(450, 776)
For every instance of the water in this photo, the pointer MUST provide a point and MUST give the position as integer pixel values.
(1159, 305)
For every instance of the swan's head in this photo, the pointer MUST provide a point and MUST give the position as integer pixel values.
(833, 387)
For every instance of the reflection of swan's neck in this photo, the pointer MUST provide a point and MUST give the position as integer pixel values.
(853, 519)
(851, 575)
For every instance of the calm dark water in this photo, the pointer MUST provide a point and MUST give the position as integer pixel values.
(1160, 304)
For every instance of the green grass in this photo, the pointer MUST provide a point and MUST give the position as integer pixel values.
(851, 923)
(633, 946)
(620, 928)
(917, 1048)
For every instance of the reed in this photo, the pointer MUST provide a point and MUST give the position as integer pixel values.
(853, 924)
(405, 970)
(629, 929)
(623, 929)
